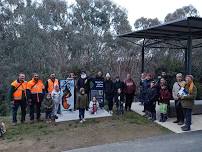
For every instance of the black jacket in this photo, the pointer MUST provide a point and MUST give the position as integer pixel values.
(117, 85)
(108, 87)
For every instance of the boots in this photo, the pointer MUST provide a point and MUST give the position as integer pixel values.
(161, 118)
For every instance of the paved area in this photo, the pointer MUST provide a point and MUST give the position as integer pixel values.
(74, 115)
(187, 142)
(196, 120)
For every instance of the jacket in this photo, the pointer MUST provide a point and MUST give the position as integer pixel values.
(151, 95)
(82, 101)
(176, 87)
(108, 87)
(118, 85)
(188, 101)
(130, 87)
(165, 96)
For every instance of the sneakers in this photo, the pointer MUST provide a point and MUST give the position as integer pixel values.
(176, 121)
(186, 128)
(81, 121)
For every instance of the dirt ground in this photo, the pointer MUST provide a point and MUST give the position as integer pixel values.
(42, 137)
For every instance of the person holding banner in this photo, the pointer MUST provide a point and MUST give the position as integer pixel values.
(109, 92)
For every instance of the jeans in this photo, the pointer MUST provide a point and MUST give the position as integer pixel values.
(188, 116)
(179, 111)
(48, 113)
(81, 113)
(22, 104)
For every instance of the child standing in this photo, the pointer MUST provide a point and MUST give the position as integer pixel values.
(93, 106)
(48, 104)
(164, 101)
(119, 99)
(57, 98)
(82, 102)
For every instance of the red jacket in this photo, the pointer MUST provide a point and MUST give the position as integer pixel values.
(130, 87)
(165, 96)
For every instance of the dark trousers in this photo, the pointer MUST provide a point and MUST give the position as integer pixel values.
(109, 99)
(129, 100)
(22, 104)
(35, 104)
(48, 114)
(81, 113)
(188, 116)
(179, 111)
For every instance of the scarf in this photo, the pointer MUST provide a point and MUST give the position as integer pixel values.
(190, 87)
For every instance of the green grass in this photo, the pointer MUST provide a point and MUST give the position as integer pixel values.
(23, 131)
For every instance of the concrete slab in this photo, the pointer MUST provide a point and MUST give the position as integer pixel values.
(196, 120)
(74, 115)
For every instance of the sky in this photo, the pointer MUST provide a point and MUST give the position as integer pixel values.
(154, 8)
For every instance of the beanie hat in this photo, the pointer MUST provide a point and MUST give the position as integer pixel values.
(108, 75)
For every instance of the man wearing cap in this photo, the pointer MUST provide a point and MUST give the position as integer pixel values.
(188, 101)
(178, 106)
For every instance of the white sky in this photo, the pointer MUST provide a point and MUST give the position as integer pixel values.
(154, 8)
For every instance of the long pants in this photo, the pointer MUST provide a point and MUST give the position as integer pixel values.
(56, 108)
(109, 99)
(35, 104)
(81, 113)
(179, 111)
(22, 104)
(188, 116)
(48, 113)
(129, 100)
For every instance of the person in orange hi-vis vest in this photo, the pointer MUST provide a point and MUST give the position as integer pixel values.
(35, 93)
(51, 82)
(17, 96)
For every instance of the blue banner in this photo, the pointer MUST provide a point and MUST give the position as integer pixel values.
(97, 90)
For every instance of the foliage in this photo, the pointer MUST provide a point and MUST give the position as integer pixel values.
(52, 36)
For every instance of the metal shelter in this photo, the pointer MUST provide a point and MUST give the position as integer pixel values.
(177, 34)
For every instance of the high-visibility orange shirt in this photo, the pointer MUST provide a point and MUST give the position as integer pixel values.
(35, 87)
(20, 89)
(51, 84)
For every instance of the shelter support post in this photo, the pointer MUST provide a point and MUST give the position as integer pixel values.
(142, 68)
(188, 56)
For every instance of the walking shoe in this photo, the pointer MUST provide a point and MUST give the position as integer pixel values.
(81, 121)
(180, 123)
(186, 128)
(176, 121)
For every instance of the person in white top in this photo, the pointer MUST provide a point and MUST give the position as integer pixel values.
(93, 106)
(57, 99)
(176, 88)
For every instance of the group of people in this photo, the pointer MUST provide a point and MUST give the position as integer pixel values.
(23, 94)
(116, 92)
(152, 91)
(160, 91)
(35, 93)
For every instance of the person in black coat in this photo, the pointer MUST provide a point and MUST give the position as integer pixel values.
(109, 92)
(118, 84)
(152, 96)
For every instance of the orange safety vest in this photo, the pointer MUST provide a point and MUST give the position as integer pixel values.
(34, 87)
(19, 88)
(51, 84)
